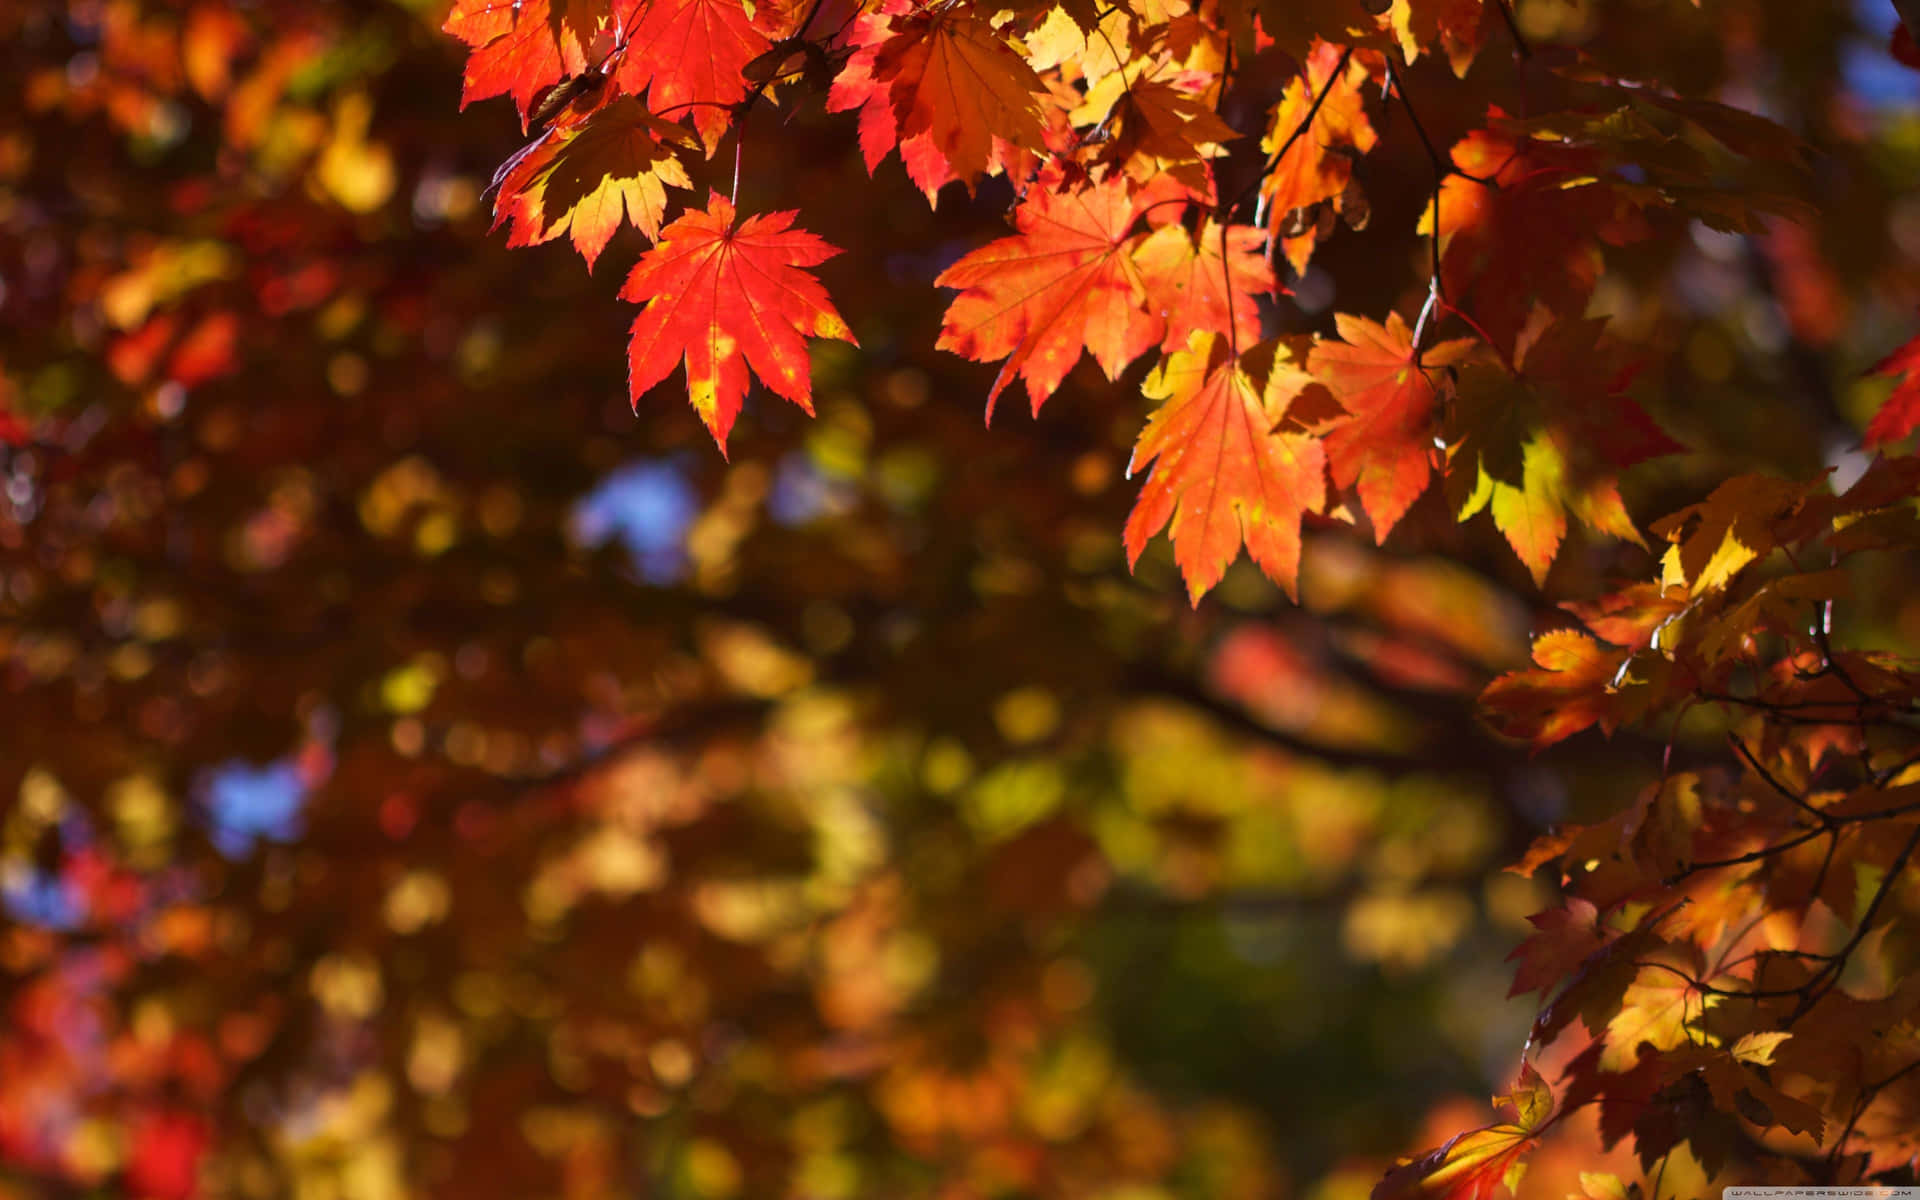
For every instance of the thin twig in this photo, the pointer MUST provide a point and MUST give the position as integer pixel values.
(1520, 47)
(1839, 961)
(1795, 798)
(1743, 859)
(1225, 211)
(1396, 83)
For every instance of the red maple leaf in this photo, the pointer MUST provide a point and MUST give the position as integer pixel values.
(1224, 476)
(1384, 447)
(691, 54)
(1901, 411)
(944, 86)
(1066, 282)
(1520, 219)
(727, 299)
(1566, 937)
(520, 47)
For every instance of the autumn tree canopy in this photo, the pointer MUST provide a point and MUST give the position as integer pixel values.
(1443, 623)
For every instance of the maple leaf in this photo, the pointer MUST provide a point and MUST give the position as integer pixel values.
(728, 299)
(1656, 1011)
(519, 47)
(1152, 127)
(1733, 527)
(1901, 410)
(1198, 289)
(692, 54)
(1526, 234)
(1544, 440)
(1311, 150)
(1384, 447)
(1567, 692)
(1453, 27)
(1593, 987)
(1474, 1163)
(1066, 282)
(1566, 937)
(1224, 475)
(587, 178)
(944, 86)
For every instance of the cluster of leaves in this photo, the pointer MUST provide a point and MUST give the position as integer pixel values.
(1727, 958)
(1129, 237)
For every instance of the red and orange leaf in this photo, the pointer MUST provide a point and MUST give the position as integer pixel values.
(727, 299)
(689, 55)
(1384, 447)
(1901, 412)
(1223, 476)
(1312, 160)
(1473, 1164)
(1566, 690)
(614, 166)
(1197, 288)
(1632, 616)
(520, 47)
(1066, 282)
(945, 87)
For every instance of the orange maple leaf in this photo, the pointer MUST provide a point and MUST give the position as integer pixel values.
(1066, 282)
(1209, 282)
(945, 87)
(615, 165)
(1152, 127)
(519, 47)
(1385, 445)
(691, 54)
(1224, 476)
(728, 299)
(1566, 691)
(1312, 151)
